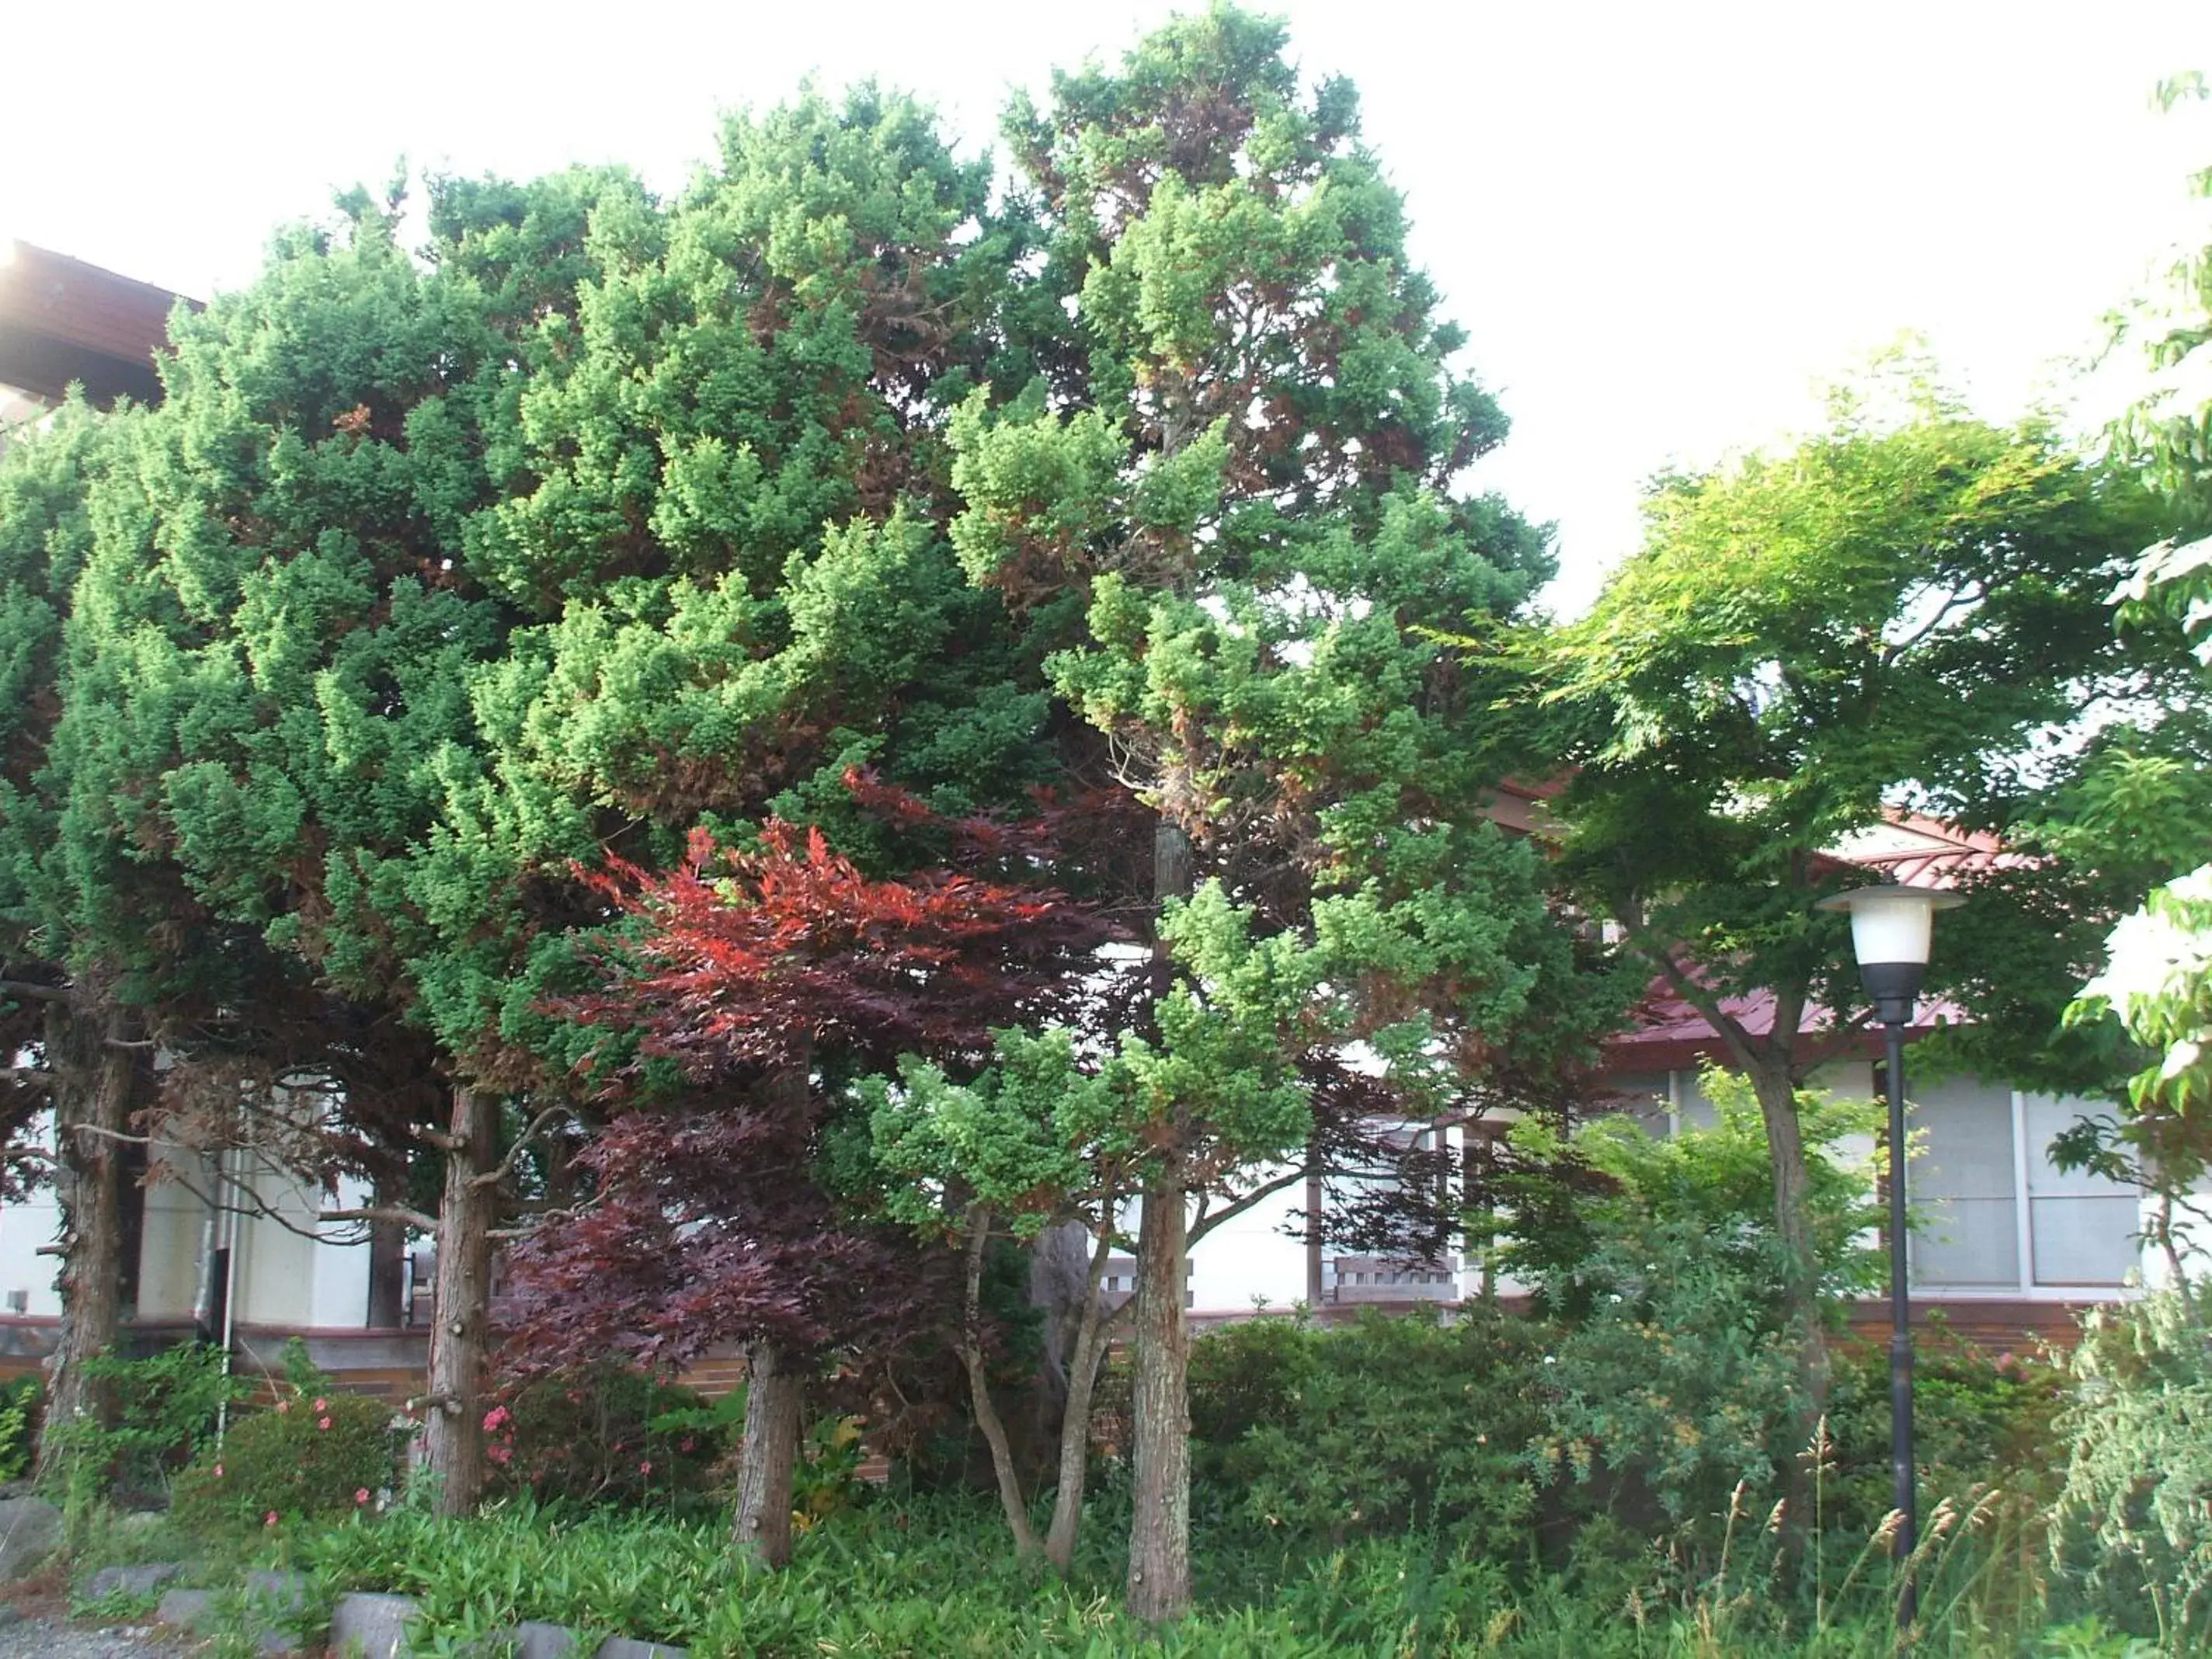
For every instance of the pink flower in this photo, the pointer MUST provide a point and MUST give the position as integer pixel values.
(284, 1406)
(218, 1471)
(689, 1444)
(322, 1422)
(501, 1454)
(269, 1519)
(646, 1468)
(322, 1405)
(496, 1417)
(361, 1495)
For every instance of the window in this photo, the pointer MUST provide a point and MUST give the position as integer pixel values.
(1962, 1186)
(2081, 1226)
(1995, 1213)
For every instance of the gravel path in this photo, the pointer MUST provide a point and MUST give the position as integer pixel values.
(46, 1639)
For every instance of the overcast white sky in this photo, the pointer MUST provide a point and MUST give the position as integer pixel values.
(1664, 225)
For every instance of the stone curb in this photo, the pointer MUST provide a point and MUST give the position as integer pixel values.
(184, 1609)
(131, 1581)
(372, 1626)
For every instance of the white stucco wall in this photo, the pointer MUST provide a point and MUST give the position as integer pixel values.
(25, 1226)
(287, 1277)
(1248, 1260)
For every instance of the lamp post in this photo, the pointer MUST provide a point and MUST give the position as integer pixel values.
(1891, 928)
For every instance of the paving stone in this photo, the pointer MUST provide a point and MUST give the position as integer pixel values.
(622, 1647)
(372, 1626)
(130, 1581)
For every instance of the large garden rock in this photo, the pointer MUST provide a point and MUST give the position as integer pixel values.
(30, 1531)
(621, 1647)
(130, 1581)
(185, 1609)
(372, 1626)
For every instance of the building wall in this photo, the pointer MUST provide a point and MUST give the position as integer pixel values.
(1250, 1260)
(25, 1227)
(282, 1278)
(1995, 1218)
(170, 1254)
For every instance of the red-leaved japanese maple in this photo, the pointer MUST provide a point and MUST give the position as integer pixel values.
(765, 979)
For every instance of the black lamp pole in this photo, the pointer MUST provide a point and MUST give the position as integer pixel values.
(1891, 928)
(1894, 1011)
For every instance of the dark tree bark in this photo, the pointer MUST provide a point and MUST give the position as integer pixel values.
(96, 1083)
(1159, 1525)
(1083, 1363)
(454, 1435)
(387, 1261)
(971, 1348)
(775, 1394)
(1772, 1082)
(1159, 1532)
(1060, 1263)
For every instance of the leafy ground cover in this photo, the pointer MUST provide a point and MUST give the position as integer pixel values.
(929, 1576)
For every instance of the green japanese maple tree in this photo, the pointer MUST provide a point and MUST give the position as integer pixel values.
(1904, 610)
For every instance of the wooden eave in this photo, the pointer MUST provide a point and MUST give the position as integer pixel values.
(63, 321)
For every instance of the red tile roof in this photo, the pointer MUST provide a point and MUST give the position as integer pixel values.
(1917, 851)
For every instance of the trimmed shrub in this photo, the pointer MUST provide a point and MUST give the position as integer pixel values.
(604, 1434)
(1398, 1420)
(317, 1456)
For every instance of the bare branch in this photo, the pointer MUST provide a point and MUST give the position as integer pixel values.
(30, 993)
(399, 1213)
(507, 1234)
(257, 1208)
(492, 1177)
(1228, 1213)
(1973, 593)
(1660, 954)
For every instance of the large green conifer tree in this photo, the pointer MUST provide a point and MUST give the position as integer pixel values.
(1229, 515)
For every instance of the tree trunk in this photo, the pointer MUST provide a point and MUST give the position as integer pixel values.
(1793, 1226)
(95, 1083)
(1075, 1417)
(1060, 1263)
(1159, 1530)
(1159, 1526)
(979, 1389)
(1316, 1220)
(387, 1261)
(774, 1395)
(454, 1435)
